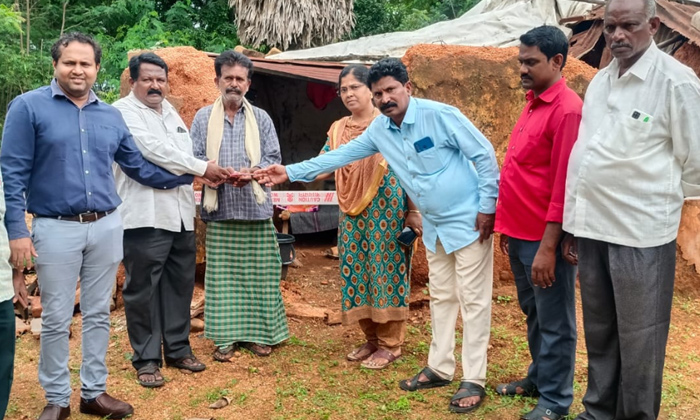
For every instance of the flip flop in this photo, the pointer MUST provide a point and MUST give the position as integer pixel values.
(354, 356)
(150, 369)
(434, 381)
(467, 389)
(381, 354)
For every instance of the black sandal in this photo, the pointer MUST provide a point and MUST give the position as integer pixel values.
(510, 389)
(434, 381)
(467, 389)
(153, 370)
(262, 350)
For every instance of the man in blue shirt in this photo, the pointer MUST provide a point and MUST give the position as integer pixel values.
(449, 170)
(58, 147)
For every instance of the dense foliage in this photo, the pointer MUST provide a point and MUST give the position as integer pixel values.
(29, 27)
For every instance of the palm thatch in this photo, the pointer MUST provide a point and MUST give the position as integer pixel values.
(295, 23)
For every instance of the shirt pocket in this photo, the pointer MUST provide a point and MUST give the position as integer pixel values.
(535, 151)
(630, 135)
(430, 161)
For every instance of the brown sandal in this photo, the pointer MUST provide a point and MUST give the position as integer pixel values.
(357, 355)
(150, 369)
(224, 354)
(380, 354)
(261, 350)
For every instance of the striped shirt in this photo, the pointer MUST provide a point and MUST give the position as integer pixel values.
(237, 203)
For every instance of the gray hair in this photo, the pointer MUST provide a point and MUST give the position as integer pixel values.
(649, 8)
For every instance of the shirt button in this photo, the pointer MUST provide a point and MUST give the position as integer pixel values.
(89, 193)
(87, 172)
(408, 158)
(82, 130)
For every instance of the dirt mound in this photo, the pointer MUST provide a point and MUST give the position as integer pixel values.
(484, 83)
(689, 54)
(191, 79)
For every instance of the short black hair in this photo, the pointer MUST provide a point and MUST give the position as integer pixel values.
(387, 67)
(66, 39)
(147, 57)
(232, 58)
(549, 39)
(358, 70)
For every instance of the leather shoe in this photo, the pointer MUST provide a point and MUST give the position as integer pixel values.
(54, 412)
(106, 407)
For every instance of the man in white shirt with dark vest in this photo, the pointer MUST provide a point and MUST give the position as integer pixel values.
(635, 160)
(159, 241)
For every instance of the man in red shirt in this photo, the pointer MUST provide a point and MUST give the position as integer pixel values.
(529, 216)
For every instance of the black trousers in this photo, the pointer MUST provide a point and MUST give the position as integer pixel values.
(160, 269)
(7, 352)
(626, 294)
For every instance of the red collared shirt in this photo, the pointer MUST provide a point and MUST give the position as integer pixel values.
(533, 176)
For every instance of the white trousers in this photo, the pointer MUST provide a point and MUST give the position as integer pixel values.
(462, 280)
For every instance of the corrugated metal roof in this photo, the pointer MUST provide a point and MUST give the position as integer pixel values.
(672, 14)
(313, 71)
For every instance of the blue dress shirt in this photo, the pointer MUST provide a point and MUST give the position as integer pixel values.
(447, 167)
(60, 157)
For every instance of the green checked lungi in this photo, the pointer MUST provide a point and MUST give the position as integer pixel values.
(242, 295)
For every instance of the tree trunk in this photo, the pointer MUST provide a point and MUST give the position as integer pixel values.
(29, 24)
(63, 21)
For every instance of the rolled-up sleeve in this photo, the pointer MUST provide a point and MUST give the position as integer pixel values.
(17, 161)
(467, 138)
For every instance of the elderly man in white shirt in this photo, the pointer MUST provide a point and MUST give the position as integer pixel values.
(159, 241)
(635, 160)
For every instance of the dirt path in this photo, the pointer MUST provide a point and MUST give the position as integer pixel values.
(308, 377)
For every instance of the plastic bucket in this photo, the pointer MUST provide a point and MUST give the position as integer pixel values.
(287, 251)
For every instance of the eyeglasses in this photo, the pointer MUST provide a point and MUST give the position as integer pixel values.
(345, 89)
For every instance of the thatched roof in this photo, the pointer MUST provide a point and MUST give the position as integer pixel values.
(298, 23)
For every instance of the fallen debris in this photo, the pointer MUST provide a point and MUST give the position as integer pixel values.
(220, 403)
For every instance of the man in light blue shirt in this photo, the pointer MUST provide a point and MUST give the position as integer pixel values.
(449, 170)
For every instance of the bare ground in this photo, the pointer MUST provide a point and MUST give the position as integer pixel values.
(308, 377)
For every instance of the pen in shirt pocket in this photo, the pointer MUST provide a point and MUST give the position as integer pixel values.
(181, 130)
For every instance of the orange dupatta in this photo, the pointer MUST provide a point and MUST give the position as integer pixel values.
(357, 183)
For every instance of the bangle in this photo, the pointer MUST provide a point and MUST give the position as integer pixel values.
(414, 211)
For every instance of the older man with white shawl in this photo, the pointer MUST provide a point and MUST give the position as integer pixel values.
(243, 300)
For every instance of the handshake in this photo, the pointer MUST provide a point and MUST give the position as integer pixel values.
(215, 175)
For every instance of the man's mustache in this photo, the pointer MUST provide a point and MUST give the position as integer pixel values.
(525, 77)
(233, 90)
(620, 45)
(155, 91)
(387, 106)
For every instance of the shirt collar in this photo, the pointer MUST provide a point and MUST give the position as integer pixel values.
(57, 91)
(548, 95)
(408, 118)
(641, 68)
(167, 106)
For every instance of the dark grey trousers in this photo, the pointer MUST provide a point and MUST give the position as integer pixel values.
(160, 268)
(551, 325)
(626, 294)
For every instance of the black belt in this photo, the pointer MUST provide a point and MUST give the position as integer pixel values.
(87, 217)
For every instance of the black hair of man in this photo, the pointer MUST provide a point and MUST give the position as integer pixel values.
(147, 57)
(66, 39)
(361, 72)
(232, 58)
(392, 67)
(549, 39)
